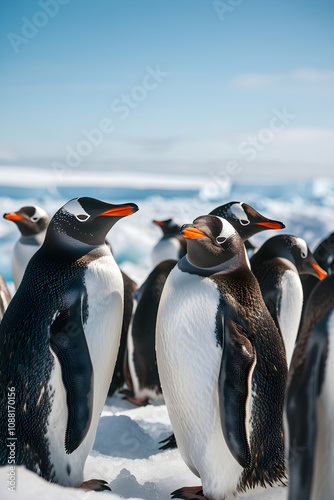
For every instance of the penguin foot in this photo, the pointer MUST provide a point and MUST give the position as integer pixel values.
(189, 493)
(129, 395)
(95, 485)
(168, 443)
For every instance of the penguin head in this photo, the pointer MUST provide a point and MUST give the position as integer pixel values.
(297, 251)
(168, 226)
(84, 221)
(245, 219)
(30, 220)
(212, 241)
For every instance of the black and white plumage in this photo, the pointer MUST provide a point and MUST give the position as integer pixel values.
(59, 340)
(4, 297)
(32, 222)
(172, 246)
(310, 400)
(277, 266)
(216, 340)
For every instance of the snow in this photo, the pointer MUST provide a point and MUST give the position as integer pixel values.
(125, 454)
(126, 450)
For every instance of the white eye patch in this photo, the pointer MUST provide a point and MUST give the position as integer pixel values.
(302, 245)
(227, 231)
(74, 208)
(39, 213)
(239, 213)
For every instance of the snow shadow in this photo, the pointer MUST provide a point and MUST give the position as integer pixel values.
(127, 486)
(120, 436)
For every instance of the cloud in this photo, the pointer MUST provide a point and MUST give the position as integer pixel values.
(253, 81)
(259, 80)
(313, 75)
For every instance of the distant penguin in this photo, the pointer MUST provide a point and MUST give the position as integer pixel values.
(118, 379)
(143, 378)
(310, 400)
(59, 340)
(277, 266)
(217, 343)
(172, 245)
(4, 297)
(32, 223)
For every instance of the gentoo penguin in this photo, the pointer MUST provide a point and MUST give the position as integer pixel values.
(4, 297)
(215, 341)
(277, 266)
(118, 378)
(142, 377)
(59, 340)
(245, 219)
(32, 223)
(172, 245)
(310, 400)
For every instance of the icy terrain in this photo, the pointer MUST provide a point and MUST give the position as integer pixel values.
(126, 451)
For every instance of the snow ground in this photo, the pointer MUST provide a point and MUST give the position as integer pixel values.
(125, 454)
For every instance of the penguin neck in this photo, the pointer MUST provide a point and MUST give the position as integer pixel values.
(34, 239)
(63, 244)
(225, 267)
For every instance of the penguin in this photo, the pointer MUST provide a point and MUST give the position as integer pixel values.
(172, 245)
(118, 380)
(32, 223)
(310, 400)
(4, 297)
(277, 266)
(215, 342)
(245, 219)
(59, 340)
(142, 375)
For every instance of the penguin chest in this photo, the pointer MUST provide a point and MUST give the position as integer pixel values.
(290, 309)
(165, 249)
(104, 289)
(22, 253)
(189, 360)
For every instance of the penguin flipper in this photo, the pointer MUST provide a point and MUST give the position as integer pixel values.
(68, 342)
(236, 369)
(301, 408)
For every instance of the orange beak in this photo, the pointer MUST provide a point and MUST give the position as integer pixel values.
(321, 272)
(158, 222)
(271, 225)
(13, 216)
(192, 232)
(118, 212)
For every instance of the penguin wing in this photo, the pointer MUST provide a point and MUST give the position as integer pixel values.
(68, 342)
(235, 371)
(301, 408)
(272, 299)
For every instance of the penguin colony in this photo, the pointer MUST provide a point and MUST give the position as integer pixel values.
(238, 342)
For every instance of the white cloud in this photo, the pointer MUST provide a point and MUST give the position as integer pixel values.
(313, 75)
(260, 80)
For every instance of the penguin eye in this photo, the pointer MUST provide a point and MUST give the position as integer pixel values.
(220, 239)
(244, 222)
(303, 254)
(34, 219)
(82, 217)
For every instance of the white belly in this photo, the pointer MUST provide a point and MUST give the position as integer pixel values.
(290, 310)
(323, 478)
(165, 249)
(104, 286)
(189, 363)
(20, 258)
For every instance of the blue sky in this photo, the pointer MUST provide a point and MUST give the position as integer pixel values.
(228, 73)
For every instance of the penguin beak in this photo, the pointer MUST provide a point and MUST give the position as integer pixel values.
(158, 222)
(271, 224)
(322, 274)
(190, 232)
(12, 216)
(120, 211)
